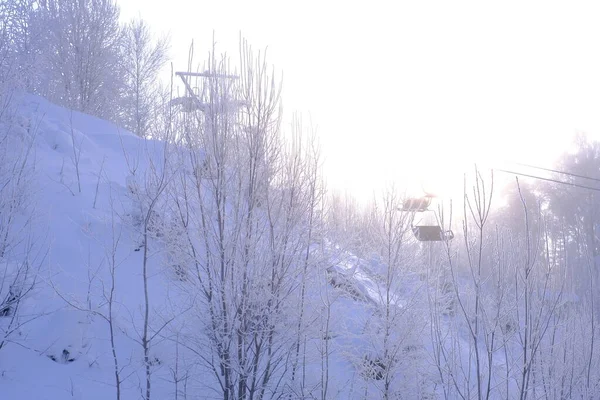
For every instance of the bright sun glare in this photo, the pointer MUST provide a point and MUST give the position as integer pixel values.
(413, 92)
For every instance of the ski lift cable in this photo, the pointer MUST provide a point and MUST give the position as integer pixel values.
(436, 233)
(548, 179)
(559, 172)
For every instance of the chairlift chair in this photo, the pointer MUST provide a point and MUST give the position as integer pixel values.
(432, 233)
(430, 230)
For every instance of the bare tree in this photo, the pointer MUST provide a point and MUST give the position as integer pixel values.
(105, 306)
(508, 289)
(149, 196)
(388, 363)
(477, 313)
(248, 210)
(19, 53)
(143, 59)
(79, 43)
(21, 245)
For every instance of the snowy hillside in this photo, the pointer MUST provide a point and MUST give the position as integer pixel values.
(63, 352)
(209, 266)
(202, 253)
(88, 247)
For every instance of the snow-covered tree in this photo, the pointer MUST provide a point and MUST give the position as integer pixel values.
(248, 203)
(79, 45)
(142, 59)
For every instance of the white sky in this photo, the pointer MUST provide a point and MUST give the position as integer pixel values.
(390, 83)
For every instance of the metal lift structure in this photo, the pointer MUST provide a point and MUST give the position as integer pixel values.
(426, 232)
(193, 100)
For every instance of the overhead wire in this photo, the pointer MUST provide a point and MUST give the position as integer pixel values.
(559, 172)
(550, 179)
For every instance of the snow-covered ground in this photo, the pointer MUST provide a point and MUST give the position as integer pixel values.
(337, 326)
(64, 350)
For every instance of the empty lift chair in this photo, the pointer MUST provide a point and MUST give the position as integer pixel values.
(431, 231)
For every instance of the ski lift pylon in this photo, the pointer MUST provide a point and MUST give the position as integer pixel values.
(188, 103)
(192, 100)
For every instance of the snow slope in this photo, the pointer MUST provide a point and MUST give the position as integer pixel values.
(65, 353)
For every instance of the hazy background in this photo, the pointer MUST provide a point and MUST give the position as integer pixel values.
(391, 84)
